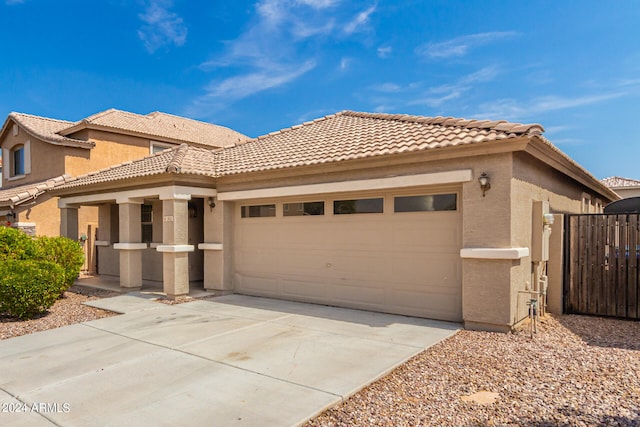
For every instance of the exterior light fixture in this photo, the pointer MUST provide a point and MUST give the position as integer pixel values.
(212, 202)
(11, 217)
(485, 185)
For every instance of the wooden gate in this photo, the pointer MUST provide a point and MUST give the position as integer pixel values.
(602, 261)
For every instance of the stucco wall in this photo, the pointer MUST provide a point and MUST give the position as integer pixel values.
(110, 149)
(627, 192)
(47, 160)
(535, 181)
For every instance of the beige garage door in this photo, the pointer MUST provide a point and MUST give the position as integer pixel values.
(405, 262)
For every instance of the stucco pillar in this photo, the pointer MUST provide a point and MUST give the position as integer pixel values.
(130, 244)
(175, 248)
(69, 222)
(217, 231)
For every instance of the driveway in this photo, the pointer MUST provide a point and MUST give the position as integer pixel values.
(230, 361)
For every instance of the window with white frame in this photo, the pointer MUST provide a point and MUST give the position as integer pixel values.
(156, 147)
(17, 161)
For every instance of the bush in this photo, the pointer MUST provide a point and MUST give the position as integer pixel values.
(15, 244)
(65, 252)
(29, 287)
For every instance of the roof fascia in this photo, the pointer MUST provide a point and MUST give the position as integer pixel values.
(544, 152)
(147, 181)
(91, 126)
(5, 126)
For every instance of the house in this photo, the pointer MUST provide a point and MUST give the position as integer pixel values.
(439, 217)
(40, 153)
(625, 187)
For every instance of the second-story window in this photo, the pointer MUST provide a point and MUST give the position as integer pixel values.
(17, 161)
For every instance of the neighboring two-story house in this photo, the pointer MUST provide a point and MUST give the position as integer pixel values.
(40, 153)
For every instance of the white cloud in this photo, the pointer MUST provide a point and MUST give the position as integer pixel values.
(384, 51)
(435, 96)
(241, 86)
(281, 43)
(359, 21)
(162, 27)
(512, 109)
(460, 46)
(344, 64)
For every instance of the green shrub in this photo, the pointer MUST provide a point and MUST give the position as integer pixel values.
(65, 252)
(15, 244)
(29, 287)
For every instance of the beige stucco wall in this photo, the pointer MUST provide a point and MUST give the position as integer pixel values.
(626, 192)
(110, 149)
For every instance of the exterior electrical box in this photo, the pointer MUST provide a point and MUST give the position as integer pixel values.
(541, 230)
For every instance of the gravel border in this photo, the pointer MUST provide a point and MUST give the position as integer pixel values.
(577, 371)
(65, 311)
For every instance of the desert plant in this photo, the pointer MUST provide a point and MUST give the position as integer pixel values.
(29, 287)
(15, 244)
(65, 252)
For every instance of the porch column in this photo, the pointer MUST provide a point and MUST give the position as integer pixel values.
(217, 232)
(130, 244)
(69, 222)
(175, 246)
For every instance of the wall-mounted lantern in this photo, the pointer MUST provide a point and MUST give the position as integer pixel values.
(485, 185)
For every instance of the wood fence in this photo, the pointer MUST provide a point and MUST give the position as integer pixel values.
(602, 262)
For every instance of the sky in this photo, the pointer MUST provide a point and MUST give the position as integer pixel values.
(260, 66)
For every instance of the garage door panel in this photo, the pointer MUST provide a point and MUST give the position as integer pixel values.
(304, 289)
(431, 270)
(256, 260)
(420, 235)
(353, 235)
(258, 285)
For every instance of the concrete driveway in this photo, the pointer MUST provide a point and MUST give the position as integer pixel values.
(230, 361)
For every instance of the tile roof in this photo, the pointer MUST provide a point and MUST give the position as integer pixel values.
(342, 136)
(11, 197)
(161, 125)
(620, 182)
(353, 135)
(46, 129)
(183, 159)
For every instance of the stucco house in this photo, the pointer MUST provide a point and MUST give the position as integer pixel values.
(625, 187)
(433, 217)
(40, 153)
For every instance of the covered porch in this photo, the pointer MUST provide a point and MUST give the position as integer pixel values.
(167, 238)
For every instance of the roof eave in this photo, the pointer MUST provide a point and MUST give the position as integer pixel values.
(12, 118)
(555, 158)
(159, 138)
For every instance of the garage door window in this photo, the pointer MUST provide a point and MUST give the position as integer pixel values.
(306, 208)
(258, 211)
(343, 207)
(429, 203)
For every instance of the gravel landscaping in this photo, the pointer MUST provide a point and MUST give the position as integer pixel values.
(576, 371)
(65, 311)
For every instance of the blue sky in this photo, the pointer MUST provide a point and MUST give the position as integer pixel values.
(259, 66)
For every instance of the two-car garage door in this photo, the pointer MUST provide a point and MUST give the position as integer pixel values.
(389, 252)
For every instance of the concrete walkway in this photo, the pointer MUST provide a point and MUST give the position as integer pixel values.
(229, 361)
